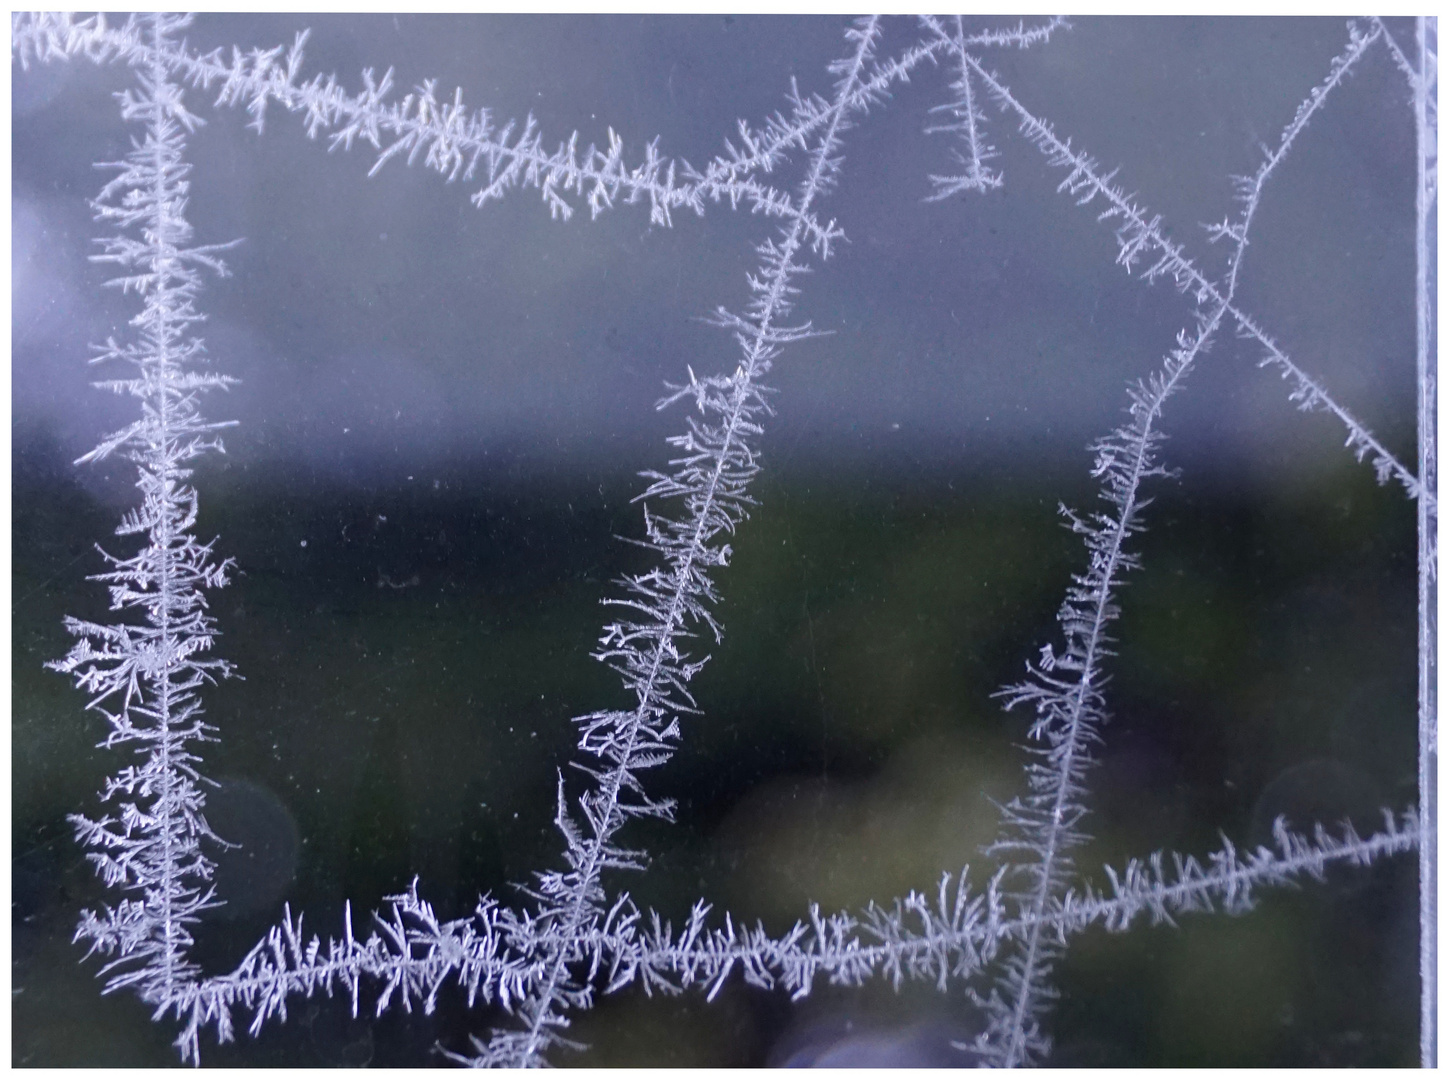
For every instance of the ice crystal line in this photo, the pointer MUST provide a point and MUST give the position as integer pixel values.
(144, 677)
(1424, 84)
(577, 933)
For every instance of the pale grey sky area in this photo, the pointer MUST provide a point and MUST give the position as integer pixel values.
(385, 323)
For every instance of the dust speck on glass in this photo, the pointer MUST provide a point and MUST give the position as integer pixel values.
(1004, 451)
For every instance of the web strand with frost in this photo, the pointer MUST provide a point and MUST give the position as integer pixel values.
(543, 963)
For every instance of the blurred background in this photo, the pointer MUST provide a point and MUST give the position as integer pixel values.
(442, 415)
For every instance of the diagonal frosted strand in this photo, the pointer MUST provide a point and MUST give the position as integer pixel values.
(1140, 237)
(455, 142)
(952, 937)
(1066, 691)
(957, 934)
(716, 463)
